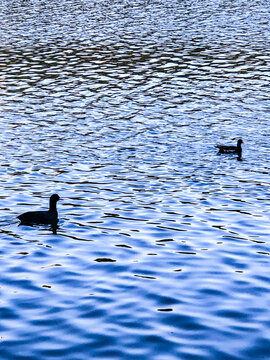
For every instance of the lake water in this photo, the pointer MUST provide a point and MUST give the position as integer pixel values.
(162, 250)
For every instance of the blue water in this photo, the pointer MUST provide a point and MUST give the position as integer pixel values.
(162, 250)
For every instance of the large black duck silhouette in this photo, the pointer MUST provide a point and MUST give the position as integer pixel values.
(49, 217)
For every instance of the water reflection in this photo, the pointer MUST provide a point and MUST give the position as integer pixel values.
(52, 228)
(162, 246)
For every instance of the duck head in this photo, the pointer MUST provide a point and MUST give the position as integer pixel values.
(239, 142)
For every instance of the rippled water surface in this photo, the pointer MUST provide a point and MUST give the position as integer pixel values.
(162, 250)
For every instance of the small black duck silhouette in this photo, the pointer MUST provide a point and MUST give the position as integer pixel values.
(225, 149)
(42, 217)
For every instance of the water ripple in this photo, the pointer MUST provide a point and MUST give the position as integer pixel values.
(162, 244)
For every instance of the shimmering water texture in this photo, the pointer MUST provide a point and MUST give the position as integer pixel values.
(162, 250)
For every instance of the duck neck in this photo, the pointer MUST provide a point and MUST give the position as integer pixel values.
(52, 205)
(239, 151)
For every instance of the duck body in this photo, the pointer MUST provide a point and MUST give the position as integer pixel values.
(39, 217)
(229, 149)
(42, 217)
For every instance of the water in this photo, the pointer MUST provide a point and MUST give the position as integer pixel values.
(162, 250)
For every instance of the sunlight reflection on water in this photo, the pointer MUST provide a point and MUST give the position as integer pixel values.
(162, 246)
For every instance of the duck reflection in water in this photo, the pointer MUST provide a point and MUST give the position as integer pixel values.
(230, 149)
(49, 217)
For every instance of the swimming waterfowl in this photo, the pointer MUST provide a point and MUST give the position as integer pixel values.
(225, 149)
(42, 217)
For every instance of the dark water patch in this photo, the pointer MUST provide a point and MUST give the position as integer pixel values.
(145, 277)
(186, 252)
(263, 253)
(164, 240)
(46, 286)
(124, 246)
(50, 266)
(104, 260)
